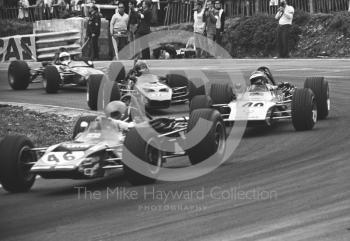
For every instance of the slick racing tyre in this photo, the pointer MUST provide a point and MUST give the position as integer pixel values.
(51, 79)
(200, 102)
(221, 93)
(15, 164)
(18, 75)
(115, 94)
(304, 109)
(213, 144)
(93, 87)
(77, 127)
(321, 90)
(195, 87)
(118, 66)
(176, 80)
(142, 149)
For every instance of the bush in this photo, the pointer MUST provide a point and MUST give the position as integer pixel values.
(15, 27)
(256, 36)
(341, 23)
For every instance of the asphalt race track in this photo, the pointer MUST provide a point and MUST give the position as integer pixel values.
(302, 179)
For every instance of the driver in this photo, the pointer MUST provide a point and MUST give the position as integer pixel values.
(64, 58)
(117, 112)
(259, 81)
(141, 67)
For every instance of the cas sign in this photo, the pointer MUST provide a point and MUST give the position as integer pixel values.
(17, 48)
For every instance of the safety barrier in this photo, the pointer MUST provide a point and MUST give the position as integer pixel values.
(47, 44)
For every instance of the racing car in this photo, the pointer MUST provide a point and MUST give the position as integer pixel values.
(157, 92)
(264, 102)
(61, 72)
(97, 146)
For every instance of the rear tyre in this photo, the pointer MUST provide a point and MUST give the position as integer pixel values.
(144, 149)
(321, 90)
(118, 66)
(176, 80)
(15, 164)
(195, 87)
(304, 109)
(214, 143)
(51, 79)
(200, 102)
(77, 127)
(19, 75)
(93, 87)
(115, 94)
(221, 93)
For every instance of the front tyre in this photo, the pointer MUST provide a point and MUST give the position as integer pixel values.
(304, 109)
(93, 87)
(320, 88)
(213, 145)
(143, 149)
(19, 75)
(51, 79)
(15, 164)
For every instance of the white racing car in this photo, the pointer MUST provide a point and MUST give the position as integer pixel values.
(99, 145)
(61, 72)
(264, 102)
(155, 91)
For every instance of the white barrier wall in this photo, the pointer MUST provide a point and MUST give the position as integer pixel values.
(19, 47)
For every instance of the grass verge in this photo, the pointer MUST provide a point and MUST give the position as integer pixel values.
(43, 129)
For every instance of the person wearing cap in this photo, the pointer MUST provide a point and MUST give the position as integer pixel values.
(285, 17)
(144, 27)
(93, 31)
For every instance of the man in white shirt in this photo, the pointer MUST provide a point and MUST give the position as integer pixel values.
(119, 28)
(285, 17)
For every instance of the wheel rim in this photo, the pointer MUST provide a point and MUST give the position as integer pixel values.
(328, 100)
(220, 138)
(314, 112)
(24, 159)
(11, 79)
(44, 83)
(154, 158)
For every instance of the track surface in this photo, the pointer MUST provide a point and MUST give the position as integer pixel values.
(306, 174)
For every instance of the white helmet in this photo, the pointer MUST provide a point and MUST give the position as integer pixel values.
(115, 109)
(64, 58)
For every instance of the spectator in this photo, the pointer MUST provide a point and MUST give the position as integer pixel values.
(132, 25)
(220, 23)
(210, 20)
(285, 17)
(93, 31)
(119, 27)
(39, 9)
(144, 27)
(23, 12)
(199, 28)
